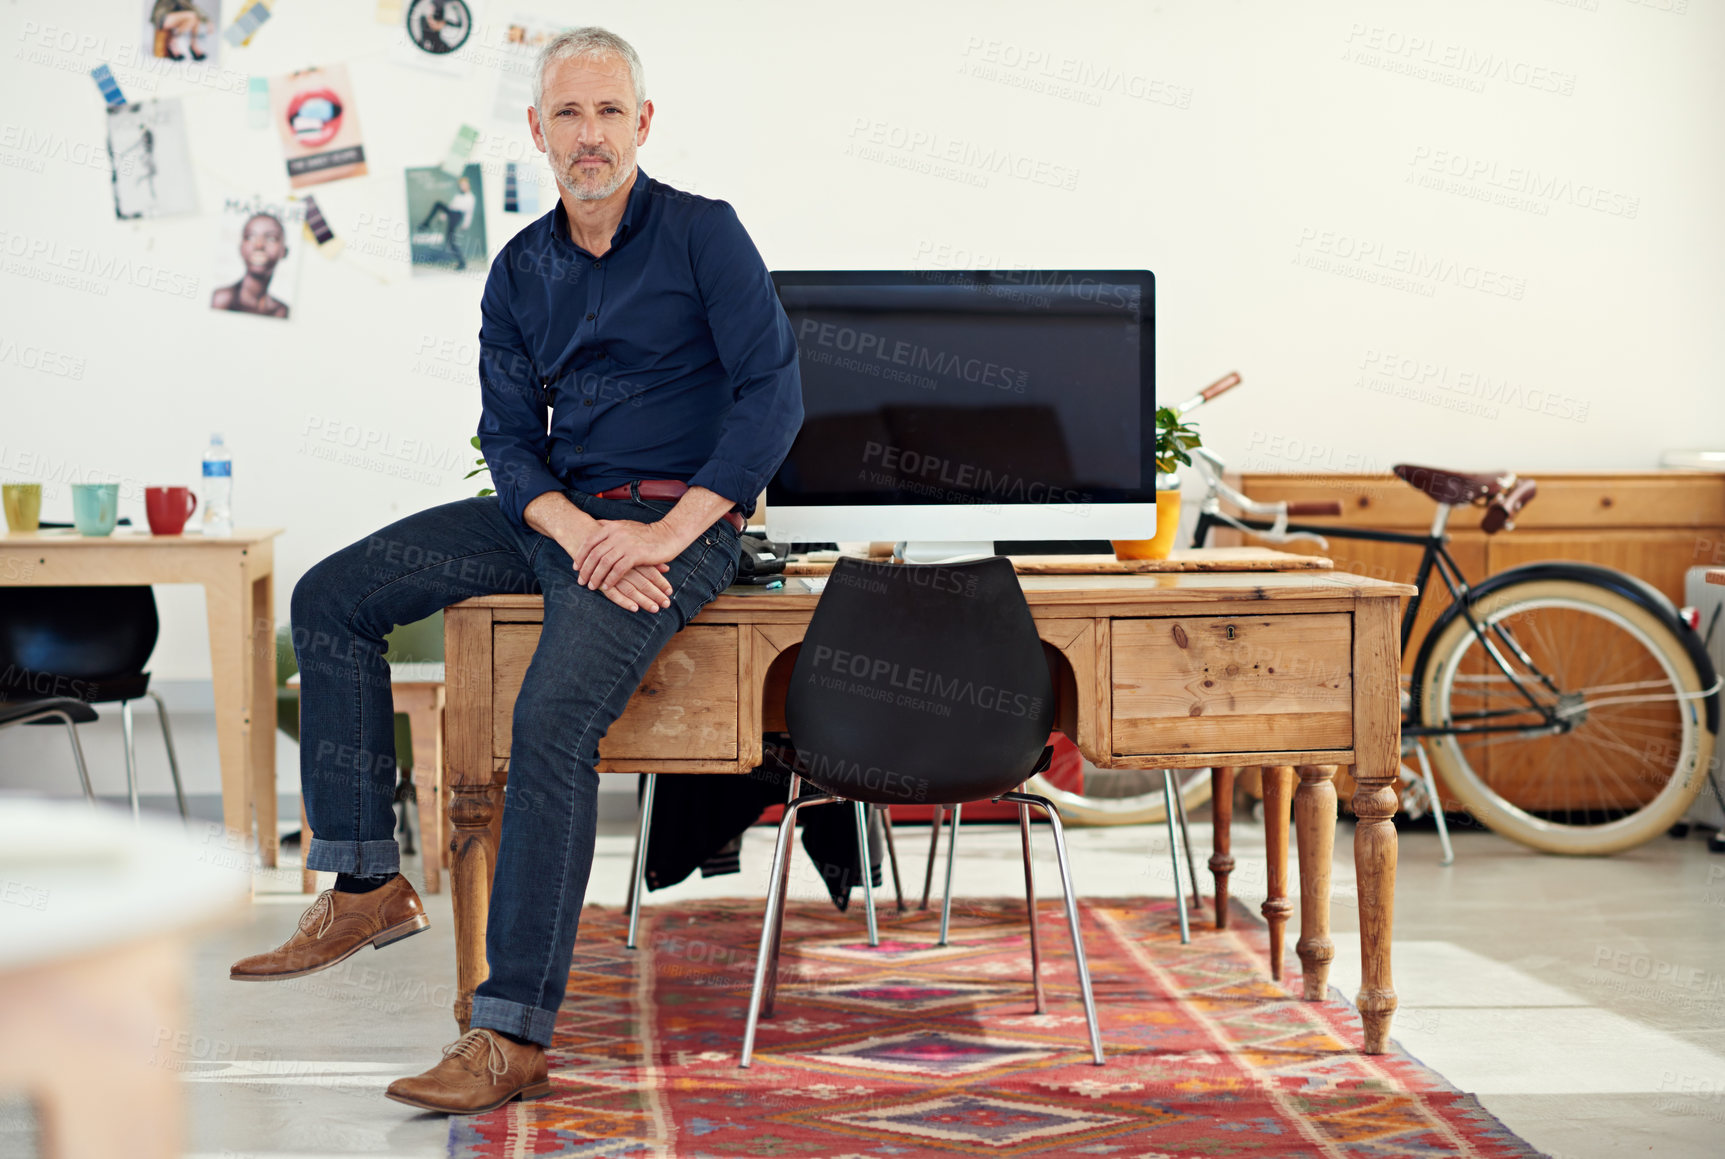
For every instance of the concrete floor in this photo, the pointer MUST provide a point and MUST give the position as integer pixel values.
(1582, 1000)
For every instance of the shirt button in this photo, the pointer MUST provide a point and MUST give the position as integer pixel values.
(590, 317)
(587, 402)
(598, 265)
(578, 450)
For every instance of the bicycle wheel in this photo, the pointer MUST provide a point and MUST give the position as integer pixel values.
(1637, 744)
(1087, 795)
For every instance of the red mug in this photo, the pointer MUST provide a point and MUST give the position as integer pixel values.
(168, 508)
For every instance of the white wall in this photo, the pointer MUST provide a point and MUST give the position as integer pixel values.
(1231, 147)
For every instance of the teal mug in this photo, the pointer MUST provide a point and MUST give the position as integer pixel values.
(95, 507)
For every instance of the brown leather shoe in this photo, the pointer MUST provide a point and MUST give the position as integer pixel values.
(336, 927)
(480, 1072)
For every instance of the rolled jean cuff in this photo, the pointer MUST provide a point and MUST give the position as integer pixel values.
(522, 1021)
(362, 858)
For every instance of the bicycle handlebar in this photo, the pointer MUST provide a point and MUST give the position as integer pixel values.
(1221, 386)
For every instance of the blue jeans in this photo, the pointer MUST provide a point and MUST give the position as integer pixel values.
(591, 656)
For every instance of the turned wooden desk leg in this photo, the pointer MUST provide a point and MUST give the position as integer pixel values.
(473, 861)
(1221, 822)
(475, 791)
(1278, 791)
(1315, 831)
(1377, 753)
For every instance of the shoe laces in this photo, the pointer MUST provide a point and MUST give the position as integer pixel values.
(468, 1046)
(322, 912)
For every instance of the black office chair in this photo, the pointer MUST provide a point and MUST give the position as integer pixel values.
(63, 649)
(919, 684)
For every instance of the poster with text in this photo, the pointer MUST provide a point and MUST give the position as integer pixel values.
(150, 163)
(447, 219)
(258, 249)
(314, 112)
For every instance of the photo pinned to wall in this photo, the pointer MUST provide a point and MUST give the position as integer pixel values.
(149, 161)
(319, 125)
(521, 40)
(520, 189)
(448, 218)
(438, 35)
(182, 29)
(258, 249)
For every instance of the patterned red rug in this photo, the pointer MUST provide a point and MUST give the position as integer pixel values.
(912, 1049)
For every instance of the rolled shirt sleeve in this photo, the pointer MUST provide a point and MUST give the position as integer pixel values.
(512, 423)
(759, 353)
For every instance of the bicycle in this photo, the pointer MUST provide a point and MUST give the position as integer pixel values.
(1612, 741)
(1494, 691)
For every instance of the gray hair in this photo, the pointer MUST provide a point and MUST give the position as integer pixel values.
(592, 43)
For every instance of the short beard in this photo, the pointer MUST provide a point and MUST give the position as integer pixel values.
(579, 194)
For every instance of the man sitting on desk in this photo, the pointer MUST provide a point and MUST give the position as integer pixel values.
(645, 319)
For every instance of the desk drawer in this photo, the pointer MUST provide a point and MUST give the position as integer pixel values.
(686, 708)
(1217, 684)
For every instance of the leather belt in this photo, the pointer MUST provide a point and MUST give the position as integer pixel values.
(662, 490)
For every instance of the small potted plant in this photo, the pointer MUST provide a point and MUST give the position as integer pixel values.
(1174, 442)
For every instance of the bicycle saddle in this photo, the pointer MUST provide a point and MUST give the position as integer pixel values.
(1501, 493)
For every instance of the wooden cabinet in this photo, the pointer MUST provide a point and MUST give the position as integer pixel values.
(1651, 524)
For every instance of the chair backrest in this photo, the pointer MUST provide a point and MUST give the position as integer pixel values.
(84, 634)
(920, 683)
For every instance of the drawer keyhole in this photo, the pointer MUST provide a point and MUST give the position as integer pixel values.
(1230, 631)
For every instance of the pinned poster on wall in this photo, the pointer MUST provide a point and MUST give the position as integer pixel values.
(521, 40)
(182, 29)
(257, 257)
(314, 112)
(438, 35)
(448, 218)
(151, 165)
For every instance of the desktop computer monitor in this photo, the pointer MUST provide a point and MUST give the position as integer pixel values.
(948, 409)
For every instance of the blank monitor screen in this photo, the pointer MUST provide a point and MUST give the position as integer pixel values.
(969, 387)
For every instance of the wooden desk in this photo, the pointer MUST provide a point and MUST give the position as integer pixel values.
(1181, 669)
(238, 577)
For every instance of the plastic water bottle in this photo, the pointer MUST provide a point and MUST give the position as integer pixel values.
(218, 488)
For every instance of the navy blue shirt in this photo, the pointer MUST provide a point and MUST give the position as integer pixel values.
(667, 357)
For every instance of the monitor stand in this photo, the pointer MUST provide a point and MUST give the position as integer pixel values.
(943, 550)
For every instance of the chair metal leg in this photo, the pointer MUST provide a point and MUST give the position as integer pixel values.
(1030, 906)
(891, 854)
(131, 757)
(1084, 988)
(1437, 805)
(934, 824)
(173, 762)
(1174, 859)
(951, 855)
(867, 873)
(773, 921)
(78, 756)
(771, 996)
(1191, 860)
(638, 878)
